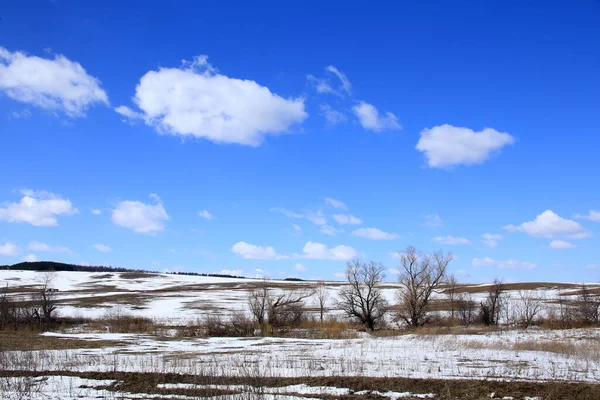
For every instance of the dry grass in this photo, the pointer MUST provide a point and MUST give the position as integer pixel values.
(28, 341)
(137, 275)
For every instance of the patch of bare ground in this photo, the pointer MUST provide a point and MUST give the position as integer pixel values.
(138, 275)
(146, 383)
(23, 340)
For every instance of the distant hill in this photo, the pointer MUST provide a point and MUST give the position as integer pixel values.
(58, 266)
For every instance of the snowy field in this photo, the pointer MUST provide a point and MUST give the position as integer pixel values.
(531, 355)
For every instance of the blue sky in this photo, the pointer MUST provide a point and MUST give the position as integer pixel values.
(287, 138)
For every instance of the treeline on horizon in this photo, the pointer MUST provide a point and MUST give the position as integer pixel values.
(58, 266)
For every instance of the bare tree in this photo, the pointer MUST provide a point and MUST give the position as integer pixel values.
(362, 299)
(451, 286)
(258, 300)
(493, 304)
(322, 296)
(287, 309)
(420, 277)
(466, 309)
(44, 299)
(588, 305)
(530, 307)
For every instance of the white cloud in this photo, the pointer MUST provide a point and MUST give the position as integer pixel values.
(593, 215)
(287, 213)
(23, 114)
(346, 219)
(433, 221)
(95, 211)
(128, 113)
(550, 225)
(316, 218)
(9, 249)
(369, 118)
(53, 84)
(490, 239)
(330, 230)
(30, 258)
(320, 251)
(205, 214)
(374, 234)
(335, 203)
(297, 228)
(300, 268)
(196, 101)
(395, 255)
(507, 264)
(561, 244)
(345, 83)
(253, 252)
(321, 85)
(102, 248)
(451, 240)
(140, 217)
(332, 116)
(37, 246)
(37, 208)
(447, 146)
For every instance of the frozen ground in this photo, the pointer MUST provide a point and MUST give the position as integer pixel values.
(179, 299)
(499, 355)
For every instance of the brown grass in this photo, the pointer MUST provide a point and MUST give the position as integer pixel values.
(27, 341)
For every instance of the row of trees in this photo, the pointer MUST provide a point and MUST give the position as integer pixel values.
(420, 277)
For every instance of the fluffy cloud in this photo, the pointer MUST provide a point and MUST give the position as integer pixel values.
(253, 252)
(9, 249)
(451, 240)
(346, 219)
(205, 214)
(593, 215)
(287, 213)
(54, 84)
(300, 268)
(297, 228)
(196, 101)
(561, 244)
(37, 208)
(508, 264)
(140, 217)
(332, 116)
(320, 251)
(234, 272)
(23, 114)
(369, 118)
(95, 211)
(316, 218)
(447, 146)
(37, 246)
(490, 239)
(550, 225)
(30, 258)
(433, 221)
(335, 203)
(102, 248)
(374, 234)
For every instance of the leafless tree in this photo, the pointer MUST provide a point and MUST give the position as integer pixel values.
(466, 309)
(421, 275)
(588, 305)
(530, 307)
(258, 301)
(492, 307)
(45, 299)
(322, 295)
(287, 309)
(362, 299)
(450, 292)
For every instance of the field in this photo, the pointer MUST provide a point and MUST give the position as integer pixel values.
(167, 358)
